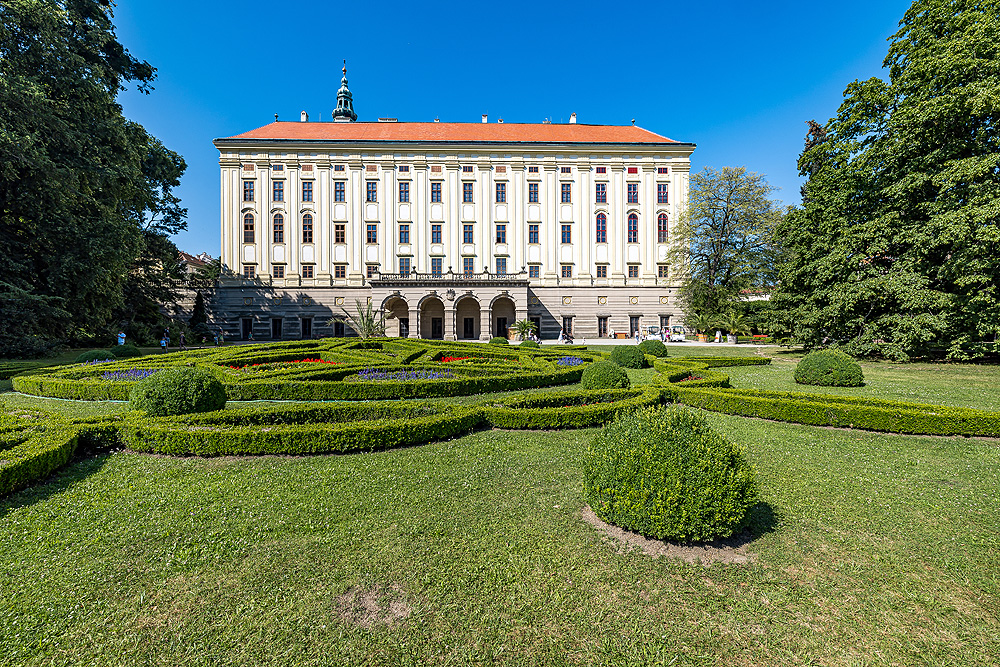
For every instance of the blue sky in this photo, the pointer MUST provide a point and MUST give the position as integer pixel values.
(739, 79)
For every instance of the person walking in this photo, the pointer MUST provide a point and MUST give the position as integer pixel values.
(121, 337)
(163, 344)
(180, 341)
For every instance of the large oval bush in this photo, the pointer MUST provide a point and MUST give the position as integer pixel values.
(653, 347)
(95, 355)
(529, 343)
(127, 351)
(628, 356)
(178, 391)
(604, 375)
(499, 340)
(829, 368)
(664, 473)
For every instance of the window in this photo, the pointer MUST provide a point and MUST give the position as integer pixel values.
(278, 191)
(435, 193)
(662, 190)
(501, 193)
(633, 270)
(602, 327)
(436, 267)
(662, 228)
(501, 233)
(404, 168)
(663, 270)
(602, 270)
(404, 233)
(601, 193)
(602, 228)
(468, 266)
(633, 324)
(278, 270)
(404, 192)
(633, 228)
(633, 170)
(567, 233)
(404, 266)
(467, 169)
(340, 191)
(307, 228)
(339, 270)
(532, 170)
(633, 193)
(371, 233)
(565, 170)
(534, 271)
(532, 233)
(371, 191)
(602, 170)
(662, 170)
(533, 193)
(248, 228)
(468, 235)
(467, 189)
(279, 228)
(567, 270)
(371, 270)
(277, 167)
(567, 191)
(307, 191)
(247, 190)
(249, 271)
(338, 167)
(502, 266)
(435, 233)
(340, 233)
(307, 270)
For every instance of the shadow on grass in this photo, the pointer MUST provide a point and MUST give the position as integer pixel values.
(80, 468)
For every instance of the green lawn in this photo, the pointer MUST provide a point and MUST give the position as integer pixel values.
(879, 550)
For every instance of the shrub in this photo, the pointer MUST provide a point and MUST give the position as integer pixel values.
(127, 351)
(604, 375)
(666, 474)
(829, 368)
(499, 340)
(178, 391)
(653, 347)
(95, 355)
(628, 357)
(529, 343)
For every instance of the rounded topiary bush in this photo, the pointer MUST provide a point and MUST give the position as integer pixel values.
(653, 347)
(127, 351)
(529, 343)
(604, 375)
(628, 356)
(829, 368)
(664, 473)
(95, 355)
(499, 340)
(178, 391)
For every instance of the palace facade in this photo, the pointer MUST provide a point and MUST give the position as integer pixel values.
(455, 230)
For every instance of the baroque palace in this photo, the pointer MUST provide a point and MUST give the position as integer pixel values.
(454, 230)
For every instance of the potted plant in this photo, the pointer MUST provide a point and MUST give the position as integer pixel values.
(524, 329)
(701, 322)
(735, 324)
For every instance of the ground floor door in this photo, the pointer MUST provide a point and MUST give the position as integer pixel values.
(307, 327)
(501, 327)
(338, 329)
(468, 328)
(275, 328)
(633, 325)
(602, 327)
(246, 328)
(568, 325)
(437, 328)
(404, 327)
(537, 321)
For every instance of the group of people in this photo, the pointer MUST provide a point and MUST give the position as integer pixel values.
(218, 337)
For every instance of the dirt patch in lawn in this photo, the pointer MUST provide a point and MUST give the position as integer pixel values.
(731, 550)
(369, 606)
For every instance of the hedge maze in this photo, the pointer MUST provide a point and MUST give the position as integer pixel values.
(363, 395)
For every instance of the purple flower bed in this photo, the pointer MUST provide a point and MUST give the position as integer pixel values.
(127, 376)
(98, 361)
(569, 361)
(372, 375)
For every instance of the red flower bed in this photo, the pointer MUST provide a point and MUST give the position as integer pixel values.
(293, 361)
(691, 377)
(445, 360)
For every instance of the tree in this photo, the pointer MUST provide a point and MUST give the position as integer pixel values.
(894, 250)
(524, 328)
(367, 322)
(725, 238)
(82, 189)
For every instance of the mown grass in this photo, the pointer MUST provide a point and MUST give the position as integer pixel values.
(881, 550)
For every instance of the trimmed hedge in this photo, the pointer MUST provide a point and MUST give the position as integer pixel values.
(573, 409)
(127, 351)
(628, 356)
(653, 347)
(499, 340)
(178, 391)
(529, 344)
(94, 355)
(666, 474)
(829, 368)
(31, 453)
(604, 375)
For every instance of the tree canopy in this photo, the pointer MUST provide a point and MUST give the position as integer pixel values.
(86, 196)
(894, 252)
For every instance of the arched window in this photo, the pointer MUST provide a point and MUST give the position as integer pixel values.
(633, 228)
(279, 228)
(307, 228)
(248, 228)
(661, 228)
(602, 228)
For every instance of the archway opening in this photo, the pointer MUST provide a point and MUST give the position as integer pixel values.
(467, 315)
(397, 318)
(432, 318)
(503, 317)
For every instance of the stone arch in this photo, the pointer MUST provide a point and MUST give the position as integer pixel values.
(397, 316)
(431, 317)
(468, 316)
(503, 314)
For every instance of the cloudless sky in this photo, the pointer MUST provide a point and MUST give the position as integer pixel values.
(737, 78)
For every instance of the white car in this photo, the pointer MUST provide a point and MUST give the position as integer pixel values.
(677, 334)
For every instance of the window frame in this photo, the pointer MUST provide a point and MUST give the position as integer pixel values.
(532, 193)
(340, 233)
(435, 192)
(249, 228)
(278, 271)
(602, 271)
(340, 271)
(248, 190)
(662, 228)
(340, 191)
(633, 228)
(436, 235)
(468, 232)
(662, 193)
(404, 233)
(437, 267)
(468, 192)
(278, 228)
(278, 190)
(404, 192)
(632, 193)
(307, 228)
(565, 233)
(371, 233)
(501, 193)
(371, 192)
(501, 266)
(468, 266)
(308, 271)
(534, 270)
(566, 270)
(307, 191)
(601, 228)
(533, 234)
(565, 193)
(501, 232)
(600, 193)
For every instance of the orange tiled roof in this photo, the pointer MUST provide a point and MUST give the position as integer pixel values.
(455, 132)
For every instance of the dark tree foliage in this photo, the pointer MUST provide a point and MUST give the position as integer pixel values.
(86, 196)
(895, 250)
